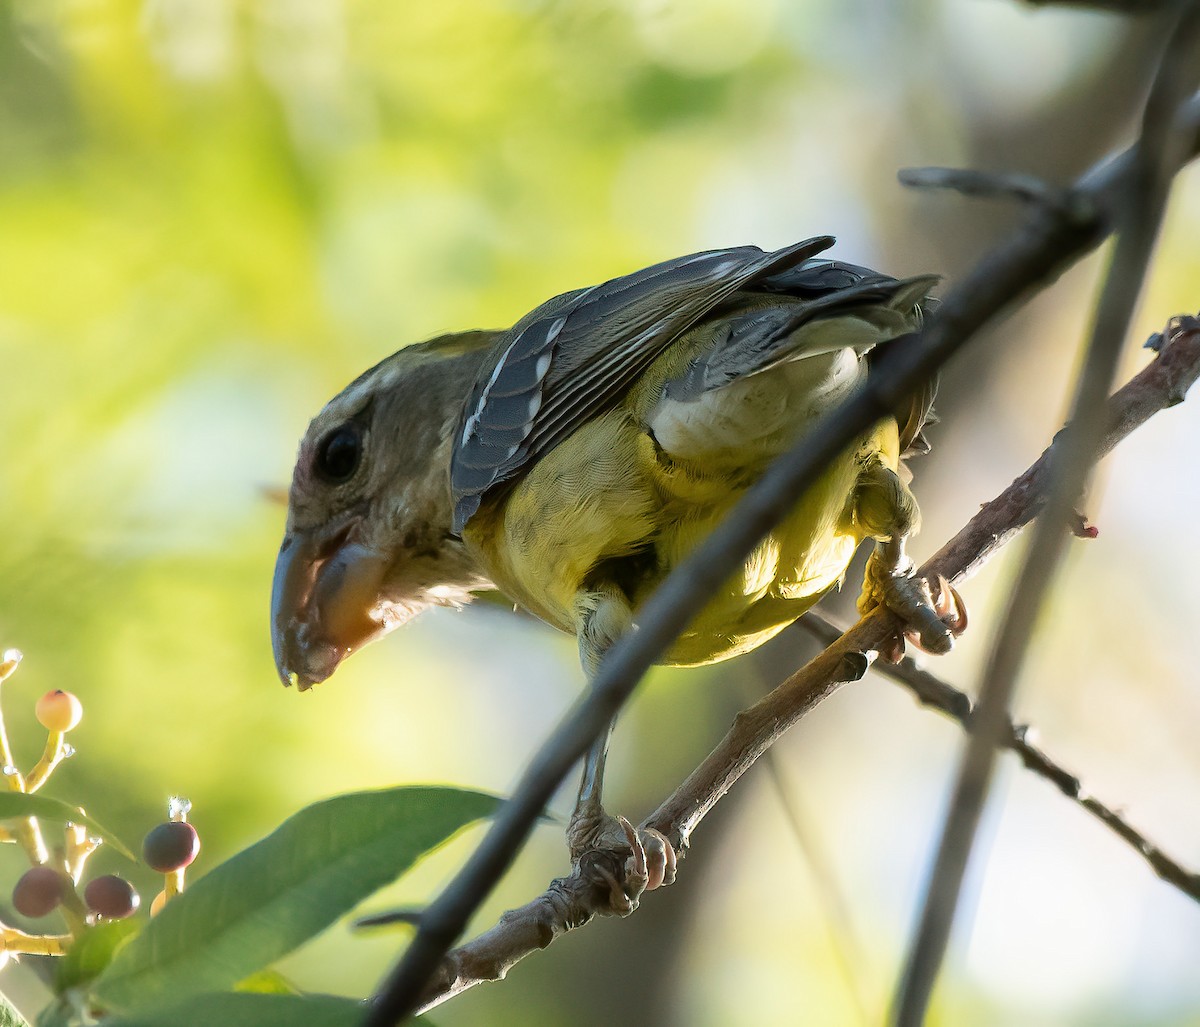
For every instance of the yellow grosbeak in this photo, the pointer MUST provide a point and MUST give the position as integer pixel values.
(573, 460)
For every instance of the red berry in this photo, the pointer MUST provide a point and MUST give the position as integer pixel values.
(59, 711)
(38, 892)
(111, 896)
(171, 846)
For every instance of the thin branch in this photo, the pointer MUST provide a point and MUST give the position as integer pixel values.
(573, 901)
(1032, 257)
(934, 693)
(1141, 214)
(1134, 8)
(989, 185)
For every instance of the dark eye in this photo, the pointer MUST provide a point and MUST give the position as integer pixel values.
(338, 455)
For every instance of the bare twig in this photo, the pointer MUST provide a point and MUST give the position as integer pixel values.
(1130, 7)
(933, 692)
(1033, 256)
(1140, 216)
(990, 184)
(1161, 384)
(573, 901)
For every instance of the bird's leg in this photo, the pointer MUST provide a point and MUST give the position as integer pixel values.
(887, 511)
(604, 615)
(591, 787)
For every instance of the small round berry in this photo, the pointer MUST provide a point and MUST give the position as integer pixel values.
(171, 846)
(111, 896)
(59, 711)
(156, 906)
(38, 892)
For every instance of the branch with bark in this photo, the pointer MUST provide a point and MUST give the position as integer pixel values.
(574, 900)
(935, 694)
(1139, 214)
(1053, 236)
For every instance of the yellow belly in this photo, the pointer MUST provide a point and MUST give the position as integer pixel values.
(603, 506)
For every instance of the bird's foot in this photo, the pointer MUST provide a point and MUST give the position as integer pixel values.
(640, 859)
(932, 621)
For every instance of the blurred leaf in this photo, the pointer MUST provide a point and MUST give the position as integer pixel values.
(267, 982)
(658, 97)
(233, 1009)
(9, 1017)
(18, 804)
(60, 1013)
(285, 889)
(92, 952)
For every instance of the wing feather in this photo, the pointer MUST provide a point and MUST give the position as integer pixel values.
(578, 355)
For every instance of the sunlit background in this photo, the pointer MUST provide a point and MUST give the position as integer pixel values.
(215, 213)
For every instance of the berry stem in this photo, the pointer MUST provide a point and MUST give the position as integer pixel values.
(52, 756)
(26, 831)
(11, 659)
(79, 847)
(72, 907)
(29, 835)
(73, 910)
(35, 944)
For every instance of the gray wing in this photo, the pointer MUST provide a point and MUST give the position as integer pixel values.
(816, 277)
(576, 356)
(826, 290)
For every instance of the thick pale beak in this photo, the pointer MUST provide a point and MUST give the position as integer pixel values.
(325, 604)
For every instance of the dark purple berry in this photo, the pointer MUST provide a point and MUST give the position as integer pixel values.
(111, 896)
(171, 846)
(38, 892)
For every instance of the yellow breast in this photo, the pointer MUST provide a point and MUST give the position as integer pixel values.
(604, 503)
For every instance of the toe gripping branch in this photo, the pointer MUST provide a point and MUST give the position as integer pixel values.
(620, 860)
(931, 621)
(650, 864)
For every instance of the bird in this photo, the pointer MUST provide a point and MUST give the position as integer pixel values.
(573, 460)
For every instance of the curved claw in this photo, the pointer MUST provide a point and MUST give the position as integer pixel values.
(651, 861)
(951, 612)
(661, 859)
(932, 620)
(949, 606)
(637, 877)
(619, 902)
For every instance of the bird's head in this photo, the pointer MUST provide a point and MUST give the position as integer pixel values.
(368, 541)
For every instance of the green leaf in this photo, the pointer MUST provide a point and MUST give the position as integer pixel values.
(9, 1017)
(247, 1009)
(91, 952)
(275, 895)
(19, 804)
(267, 982)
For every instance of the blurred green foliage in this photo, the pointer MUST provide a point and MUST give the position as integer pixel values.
(214, 213)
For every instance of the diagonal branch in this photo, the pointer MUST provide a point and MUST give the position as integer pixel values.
(931, 691)
(572, 901)
(1033, 256)
(1140, 214)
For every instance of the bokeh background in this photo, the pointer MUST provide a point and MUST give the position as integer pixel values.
(215, 213)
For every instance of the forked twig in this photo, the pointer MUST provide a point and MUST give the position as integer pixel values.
(1140, 213)
(572, 901)
(1030, 258)
(931, 691)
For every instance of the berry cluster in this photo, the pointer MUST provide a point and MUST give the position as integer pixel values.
(168, 848)
(52, 882)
